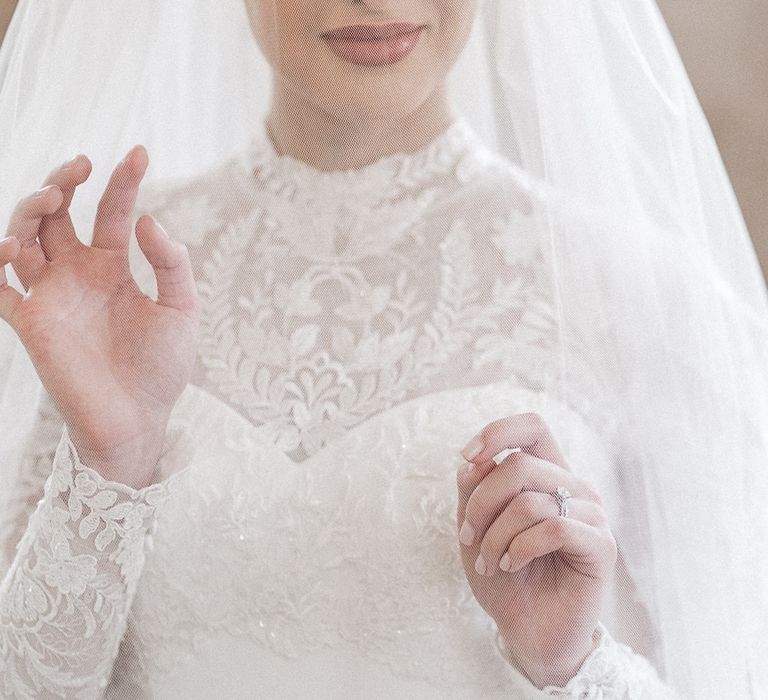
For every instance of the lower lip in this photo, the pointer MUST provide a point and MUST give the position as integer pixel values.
(384, 52)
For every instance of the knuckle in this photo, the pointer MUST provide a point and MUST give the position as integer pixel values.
(592, 495)
(526, 470)
(556, 527)
(479, 510)
(169, 259)
(530, 503)
(494, 542)
(536, 420)
(518, 461)
(511, 468)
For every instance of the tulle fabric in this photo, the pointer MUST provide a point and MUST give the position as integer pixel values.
(653, 307)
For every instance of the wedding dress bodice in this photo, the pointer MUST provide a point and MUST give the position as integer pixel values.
(300, 539)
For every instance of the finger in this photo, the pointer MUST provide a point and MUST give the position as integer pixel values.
(9, 297)
(489, 495)
(591, 549)
(57, 233)
(523, 512)
(527, 431)
(170, 261)
(24, 225)
(112, 226)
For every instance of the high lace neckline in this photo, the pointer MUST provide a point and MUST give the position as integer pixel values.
(438, 157)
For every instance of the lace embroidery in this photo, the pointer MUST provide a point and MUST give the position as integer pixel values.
(312, 334)
(300, 361)
(611, 672)
(358, 546)
(73, 579)
(310, 388)
(389, 179)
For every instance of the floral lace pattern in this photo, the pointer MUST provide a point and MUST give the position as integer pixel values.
(352, 339)
(611, 672)
(387, 299)
(72, 581)
(356, 547)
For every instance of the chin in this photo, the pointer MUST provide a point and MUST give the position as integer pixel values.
(392, 107)
(375, 95)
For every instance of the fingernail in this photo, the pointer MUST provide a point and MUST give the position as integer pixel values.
(69, 163)
(480, 565)
(161, 229)
(505, 562)
(467, 533)
(473, 448)
(467, 468)
(42, 192)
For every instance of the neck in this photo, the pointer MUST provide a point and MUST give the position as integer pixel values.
(303, 131)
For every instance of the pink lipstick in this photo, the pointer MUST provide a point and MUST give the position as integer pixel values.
(374, 45)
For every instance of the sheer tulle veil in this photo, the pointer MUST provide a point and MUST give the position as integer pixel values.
(661, 307)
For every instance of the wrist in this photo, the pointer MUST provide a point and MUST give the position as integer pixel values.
(555, 672)
(132, 462)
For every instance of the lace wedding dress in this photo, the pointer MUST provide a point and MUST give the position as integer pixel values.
(300, 538)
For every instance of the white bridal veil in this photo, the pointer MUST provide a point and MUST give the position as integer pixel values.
(660, 305)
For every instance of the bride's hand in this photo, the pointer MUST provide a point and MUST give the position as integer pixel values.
(544, 575)
(113, 360)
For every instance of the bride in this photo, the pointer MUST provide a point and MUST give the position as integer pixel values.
(363, 409)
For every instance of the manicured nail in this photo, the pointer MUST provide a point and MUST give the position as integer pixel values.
(473, 448)
(467, 533)
(69, 163)
(505, 562)
(467, 468)
(480, 565)
(42, 192)
(161, 229)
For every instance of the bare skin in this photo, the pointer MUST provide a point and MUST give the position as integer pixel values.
(337, 115)
(113, 360)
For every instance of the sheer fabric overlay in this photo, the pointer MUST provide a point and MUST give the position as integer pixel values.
(308, 484)
(569, 246)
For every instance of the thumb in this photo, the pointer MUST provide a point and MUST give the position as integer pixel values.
(9, 297)
(170, 261)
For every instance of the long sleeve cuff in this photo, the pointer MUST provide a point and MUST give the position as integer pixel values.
(611, 672)
(64, 602)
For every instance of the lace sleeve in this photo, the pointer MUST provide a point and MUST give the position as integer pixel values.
(65, 597)
(29, 481)
(611, 672)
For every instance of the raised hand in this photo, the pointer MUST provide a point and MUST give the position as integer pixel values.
(540, 576)
(113, 360)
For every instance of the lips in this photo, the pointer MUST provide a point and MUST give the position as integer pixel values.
(374, 45)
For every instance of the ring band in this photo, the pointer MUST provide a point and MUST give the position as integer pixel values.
(562, 495)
